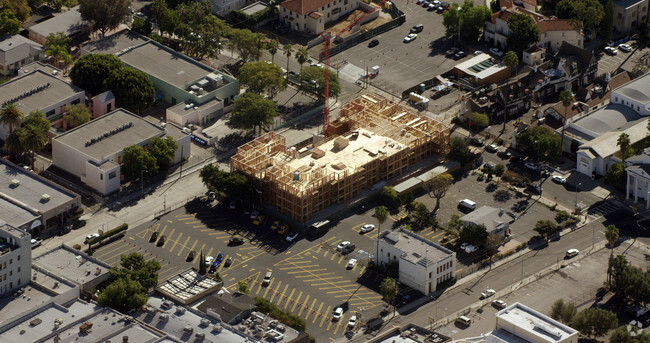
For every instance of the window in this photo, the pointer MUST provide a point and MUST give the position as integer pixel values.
(109, 107)
(18, 271)
(18, 258)
(112, 175)
(101, 176)
(11, 272)
(76, 101)
(11, 260)
(430, 274)
(49, 113)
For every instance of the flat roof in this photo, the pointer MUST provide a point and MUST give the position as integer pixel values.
(638, 89)
(117, 130)
(183, 108)
(606, 119)
(480, 66)
(52, 90)
(535, 323)
(254, 8)
(186, 285)
(115, 43)
(173, 130)
(15, 215)
(29, 193)
(606, 144)
(71, 264)
(38, 65)
(165, 64)
(69, 22)
(12, 307)
(416, 249)
(626, 3)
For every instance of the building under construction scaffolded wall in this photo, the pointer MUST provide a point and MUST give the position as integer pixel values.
(374, 139)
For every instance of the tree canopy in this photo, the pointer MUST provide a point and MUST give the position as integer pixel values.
(540, 139)
(439, 185)
(545, 228)
(9, 24)
(606, 26)
(136, 267)
(458, 150)
(105, 15)
(248, 44)
(389, 197)
(616, 175)
(523, 32)
(34, 133)
(232, 185)
(471, 18)
(10, 116)
(479, 120)
(594, 322)
(474, 234)
(628, 334)
(510, 59)
(253, 111)
(133, 89)
(262, 78)
(90, 71)
(130, 283)
(563, 312)
(19, 8)
(77, 114)
(389, 290)
(137, 163)
(58, 47)
(587, 13)
(628, 282)
(313, 82)
(141, 26)
(163, 150)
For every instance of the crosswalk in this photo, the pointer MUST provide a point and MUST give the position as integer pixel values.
(601, 210)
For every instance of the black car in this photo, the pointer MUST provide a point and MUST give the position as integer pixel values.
(235, 241)
(154, 236)
(460, 54)
(161, 241)
(373, 43)
(476, 141)
(79, 223)
(504, 154)
(534, 189)
(190, 256)
(417, 28)
(452, 52)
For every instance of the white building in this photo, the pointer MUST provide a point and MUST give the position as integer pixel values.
(93, 151)
(496, 220)
(629, 14)
(15, 258)
(422, 264)
(598, 132)
(38, 90)
(638, 178)
(525, 323)
(16, 51)
(311, 16)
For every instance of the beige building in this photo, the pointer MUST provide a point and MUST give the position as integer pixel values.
(628, 14)
(17, 51)
(71, 23)
(93, 151)
(15, 258)
(311, 16)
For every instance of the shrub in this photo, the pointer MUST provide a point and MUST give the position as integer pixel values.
(510, 176)
(109, 233)
(289, 319)
(76, 247)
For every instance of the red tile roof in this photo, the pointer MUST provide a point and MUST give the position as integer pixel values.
(503, 15)
(304, 6)
(555, 25)
(315, 15)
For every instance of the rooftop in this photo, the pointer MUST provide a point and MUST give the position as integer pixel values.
(411, 333)
(416, 249)
(489, 216)
(187, 286)
(638, 89)
(626, 3)
(535, 323)
(110, 134)
(115, 43)
(304, 6)
(38, 65)
(227, 305)
(254, 8)
(69, 22)
(15, 215)
(481, 66)
(606, 144)
(36, 90)
(29, 189)
(606, 119)
(10, 42)
(183, 108)
(31, 298)
(71, 264)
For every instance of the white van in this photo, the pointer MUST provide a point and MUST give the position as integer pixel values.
(467, 204)
(462, 320)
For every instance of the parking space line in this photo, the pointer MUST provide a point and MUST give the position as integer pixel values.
(181, 246)
(209, 251)
(170, 238)
(310, 309)
(305, 302)
(276, 292)
(295, 303)
(268, 287)
(305, 271)
(109, 251)
(328, 281)
(120, 253)
(329, 325)
(283, 296)
(341, 259)
(318, 276)
(289, 298)
(338, 325)
(357, 227)
(318, 312)
(325, 315)
(193, 245)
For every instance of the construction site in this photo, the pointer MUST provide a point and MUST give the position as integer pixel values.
(373, 140)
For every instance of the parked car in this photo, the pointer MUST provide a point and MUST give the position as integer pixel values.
(417, 28)
(212, 196)
(258, 220)
(154, 236)
(91, 236)
(36, 243)
(491, 148)
(190, 256)
(534, 188)
(291, 236)
(470, 249)
(373, 43)
(209, 259)
(572, 253)
(161, 241)
(267, 279)
(235, 241)
(275, 225)
(464, 245)
(352, 323)
(367, 228)
(487, 293)
(490, 166)
(411, 37)
(283, 229)
(219, 258)
(531, 165)
(625, 47)
(558, 179)
(498, 303)
(451, 52)
(477, 52)
(476, 141)
(352, 263)
(459, 55)
(342, 245)
(79, 223)
(611, 51)
(337, 314)
(254, 214)
(504, 154)
(228, 262)
(496, 52)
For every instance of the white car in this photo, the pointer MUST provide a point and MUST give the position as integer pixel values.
(411, 37)
(478, 52)
(572, 253)
(470, 249)
(498, 303)
(291, 236)
(491, 148)
(367, 228)
(488, 293)
(209, 259)
(559, 179)
(496, 52)
(337, 314)
(625, 48)
(352, 263)
(352, 322)
(531, 165)
(91, 236)
(464, 245)
(611, 51)
(36, 243)
(342, 245)
(254, 214)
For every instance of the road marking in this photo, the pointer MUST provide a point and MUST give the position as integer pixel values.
(296, 302)
(442, 232)
(120, 253)
(209, 252)
(327, 281)
(325, 316)
(289, 298)
(340, 259)
(182, 246)
(193, 245)
(109, 251)
(169, 238)
(305, 302)
(357, 227)
(329, 325)
(310, 309)
(268, 288)
(338, 324)
(318, 312)
(306, 271)
(276, 292)
(318, 276)
(333, 255)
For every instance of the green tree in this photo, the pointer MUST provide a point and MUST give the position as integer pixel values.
(122, 294)
(302, 56)
(511, 60)
(523, 32)
(588, 13)
(58, 47)
(627, 334)
(408, 200)
(561, 216)
(611, 235)
(19, 8)
(9, 24)
(77, 114)
(474, 234)
(438, 186)
(253, 111)
(163, 150)
(141, 26)
(137, 163)
(623, 142)
(10, 116)
(262, 78)
(478, 120)
(545, 228)
(288, 51)
(242, 287)
(381, 214)
(421, 214)
(499, 169)
(389, 197)
(389, 290)
(313, 82)
(133, 89)
(458, 150)
(201, 31)
(34, 134)
(575, 145)
(455, 224)
(135, 267)
(468, 17)
(272, 46)
(90, 71)
(594, 322)
(232, 185)
(540, 140)
(616, 175)
(105, 15)
(606, 26)
(566, 98)
(247, 44)
(563, 312)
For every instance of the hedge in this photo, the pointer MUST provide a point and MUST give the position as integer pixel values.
(109, 233)
(286, 318)
(239, 18)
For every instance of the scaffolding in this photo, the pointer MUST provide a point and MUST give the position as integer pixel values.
(374, 139)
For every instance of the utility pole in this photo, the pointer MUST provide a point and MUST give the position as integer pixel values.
(181, 172)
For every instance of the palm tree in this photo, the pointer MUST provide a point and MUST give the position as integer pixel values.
(11, 116)
(566, 97)
(302, 55)
(624, 144)
(381, 213)
(389, 289)
(611, 234)
(272, 46)
(33, 138)
(288, 51)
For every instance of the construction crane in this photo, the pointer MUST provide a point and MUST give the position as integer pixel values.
(326, 108)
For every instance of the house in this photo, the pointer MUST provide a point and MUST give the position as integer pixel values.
(16, 51)
(102, 103)
(629, 14)
(15, 258)
(41, 91)
(423, 265)
(598, 131)
(552, 31)
(231, 308)
(93, 151)
(638, 178)
(71, 23)
(311, 16)
(495, 220)
(482, 70)
(32, 203)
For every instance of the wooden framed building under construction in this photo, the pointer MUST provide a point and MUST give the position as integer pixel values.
(374, 139)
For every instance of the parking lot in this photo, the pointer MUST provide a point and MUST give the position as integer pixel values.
(403, 65)
(624, 60)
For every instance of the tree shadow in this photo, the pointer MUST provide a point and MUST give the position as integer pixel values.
(502, 195)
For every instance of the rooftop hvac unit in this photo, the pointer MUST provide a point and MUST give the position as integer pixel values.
(200, 91)
(188, 106)
(45, 197)
(194, 88)
(15, 183)
(215, 79)
(203, 83)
